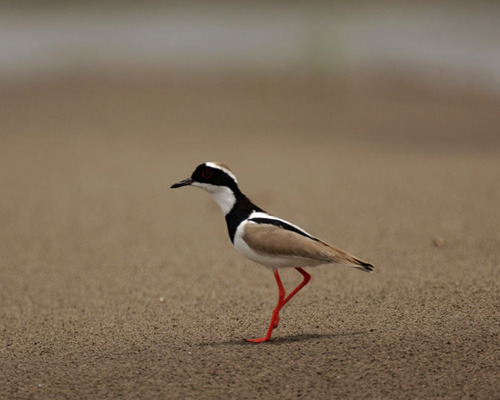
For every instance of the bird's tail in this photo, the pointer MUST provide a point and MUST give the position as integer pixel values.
(336, 255)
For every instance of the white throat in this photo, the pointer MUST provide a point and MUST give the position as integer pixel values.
(222, 195)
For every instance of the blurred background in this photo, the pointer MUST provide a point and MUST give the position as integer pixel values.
(223, 66)
(448, 44)
(393, 50)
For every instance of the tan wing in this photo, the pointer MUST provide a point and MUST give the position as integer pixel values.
(275, 240)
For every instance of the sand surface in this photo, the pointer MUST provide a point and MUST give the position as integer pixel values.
(114, 286)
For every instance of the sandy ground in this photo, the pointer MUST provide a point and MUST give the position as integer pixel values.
(114, 286)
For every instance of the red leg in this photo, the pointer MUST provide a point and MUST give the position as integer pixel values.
(281, 298)
(307, 278)
(305, 281)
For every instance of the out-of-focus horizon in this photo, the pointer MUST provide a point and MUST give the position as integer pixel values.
(444, 44)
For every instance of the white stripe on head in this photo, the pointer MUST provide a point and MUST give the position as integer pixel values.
(223, 167)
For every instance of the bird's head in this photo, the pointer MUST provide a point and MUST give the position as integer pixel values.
(218, 180)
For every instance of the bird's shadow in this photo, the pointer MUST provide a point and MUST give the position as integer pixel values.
(284, 339)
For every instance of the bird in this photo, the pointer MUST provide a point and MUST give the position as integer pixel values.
(265, 239)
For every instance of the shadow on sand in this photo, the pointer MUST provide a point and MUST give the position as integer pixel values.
(285, 339)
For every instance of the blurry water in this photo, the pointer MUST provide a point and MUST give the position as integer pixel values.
(458, 39)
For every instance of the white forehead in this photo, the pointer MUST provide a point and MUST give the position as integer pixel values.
(222, 167)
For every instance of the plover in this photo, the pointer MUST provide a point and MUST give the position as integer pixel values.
(264, 238)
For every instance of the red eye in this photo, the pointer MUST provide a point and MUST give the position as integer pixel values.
(207, 173)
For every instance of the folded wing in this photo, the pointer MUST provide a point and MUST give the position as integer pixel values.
(278, 237)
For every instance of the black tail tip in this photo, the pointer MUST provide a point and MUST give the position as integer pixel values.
(364, 266)
(369, 267)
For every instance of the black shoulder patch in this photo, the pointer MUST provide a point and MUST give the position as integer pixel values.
(240, 211)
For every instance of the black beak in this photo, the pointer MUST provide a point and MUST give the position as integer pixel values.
(185, 182)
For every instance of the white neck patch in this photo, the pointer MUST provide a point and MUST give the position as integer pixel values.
(222, 195)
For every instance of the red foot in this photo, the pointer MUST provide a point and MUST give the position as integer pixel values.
(259, 340)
